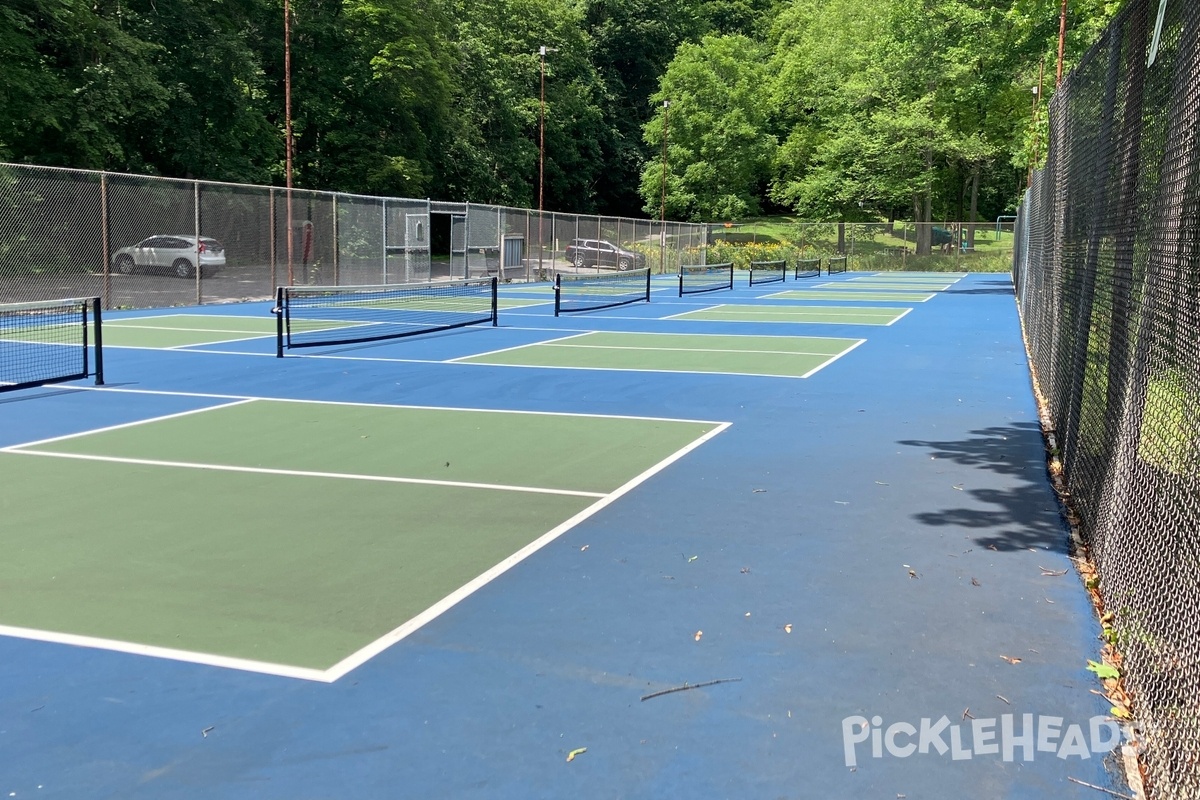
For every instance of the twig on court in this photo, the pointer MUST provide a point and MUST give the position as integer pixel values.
(687, 686)
(1101, 789)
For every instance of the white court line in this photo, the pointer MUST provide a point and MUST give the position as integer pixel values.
(466, 590)
(162, 392)
(810, 310)
(906, 312)
(108, 325)
(221, 341)
(822, 366)
(235, 402)
(847, 296)
(516, 347)
(680, 349)
(188, 656)
(301, 473)
(632, 369)
(883, 287)
(789, 337)
(364, 654)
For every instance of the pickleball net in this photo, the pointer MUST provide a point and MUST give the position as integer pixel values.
(699, 278)
(767, 272)
(807, 268)
(590, 292)
(837, 265)
(48, 342)
(314, 316)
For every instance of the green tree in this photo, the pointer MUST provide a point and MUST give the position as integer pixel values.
(719, 151)
(631, 44)
(494, 147)
(71, 82)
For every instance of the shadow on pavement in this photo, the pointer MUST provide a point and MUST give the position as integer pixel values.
(1019, 510)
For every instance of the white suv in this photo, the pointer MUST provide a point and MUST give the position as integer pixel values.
(176, 253)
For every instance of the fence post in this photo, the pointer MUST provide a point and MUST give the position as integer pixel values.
(271, 222)
(106, 266)
(337, 280)
(196, 212)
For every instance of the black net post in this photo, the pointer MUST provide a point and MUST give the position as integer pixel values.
(98, 326)
(279, 332)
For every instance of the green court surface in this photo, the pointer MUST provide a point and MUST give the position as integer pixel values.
(296, 533)
(916, 276)
(824, 315)
(865, 296)
(878, 286)
(188, 330)
(777, 356)
(183, 330)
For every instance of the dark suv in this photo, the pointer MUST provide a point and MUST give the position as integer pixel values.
(599, 253)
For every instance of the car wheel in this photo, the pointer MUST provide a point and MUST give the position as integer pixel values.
(124, 265)
(182, 267)
(623, 264)
(579, 261)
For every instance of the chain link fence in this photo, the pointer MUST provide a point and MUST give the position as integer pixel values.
(870, 246)
(1107, 267)
(145, 242)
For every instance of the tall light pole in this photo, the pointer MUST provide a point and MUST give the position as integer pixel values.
(662, 243)
(287, 124)
(542, 51)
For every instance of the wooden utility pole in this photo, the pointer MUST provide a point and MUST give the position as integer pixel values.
(287, 124)
(1037, 98)
(1062, 41)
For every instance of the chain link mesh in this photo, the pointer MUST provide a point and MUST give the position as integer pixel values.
(1107, 268)
(136, 241)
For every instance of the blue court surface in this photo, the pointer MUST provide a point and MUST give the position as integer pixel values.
(672, 552)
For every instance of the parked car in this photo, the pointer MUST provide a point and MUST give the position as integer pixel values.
(599, 253)
(176, 253)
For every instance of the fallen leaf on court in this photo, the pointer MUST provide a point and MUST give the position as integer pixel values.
(1120, 713)
(745, 570)
(756, 491)
(747, 613)
(881, 483)
(1052, 573)
(787, 628)
(957, 486)
(1011, 659)
(698, 635)
(1048, 600)
(912, 573)
(974, 582)
(578, 752)
(1103, 670)
(842, 502)
(585, 547)
(693, 558)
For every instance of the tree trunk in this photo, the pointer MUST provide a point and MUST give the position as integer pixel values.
(841, 239)
(974, 207)
(924, 230)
